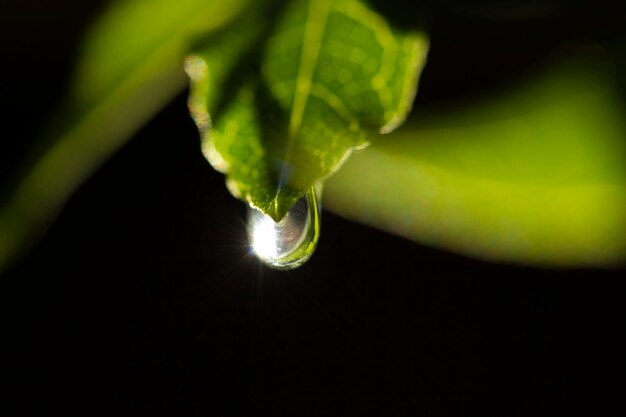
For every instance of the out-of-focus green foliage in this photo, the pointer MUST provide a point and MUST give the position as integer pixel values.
(536, 177)
(131, 67)
(328, 73)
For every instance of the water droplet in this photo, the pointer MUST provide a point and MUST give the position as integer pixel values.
(290, 242)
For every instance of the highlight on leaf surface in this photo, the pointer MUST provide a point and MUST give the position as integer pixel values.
(281, 101)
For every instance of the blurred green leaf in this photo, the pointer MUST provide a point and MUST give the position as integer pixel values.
(302, 98)
(537, 177)
(130, 68)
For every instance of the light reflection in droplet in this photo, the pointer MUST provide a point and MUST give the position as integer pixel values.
(290, 242)
(264, 238)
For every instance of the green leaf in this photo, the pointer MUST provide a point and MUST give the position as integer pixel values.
(537, 177)
(305, 93)
(130, 68)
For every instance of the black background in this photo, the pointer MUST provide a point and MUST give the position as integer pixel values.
(143, 297)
